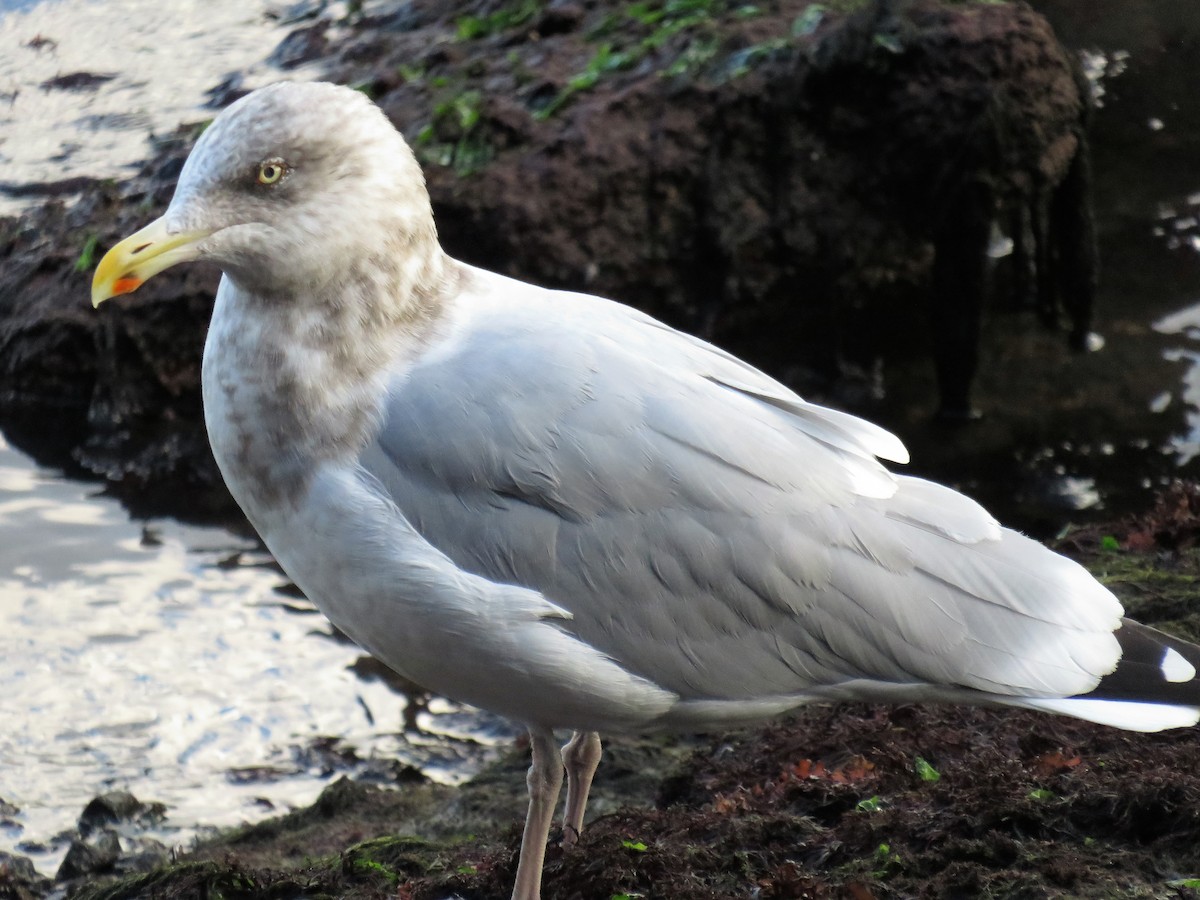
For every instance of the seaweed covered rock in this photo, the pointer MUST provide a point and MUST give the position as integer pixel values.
(19, 880)
(800, 187)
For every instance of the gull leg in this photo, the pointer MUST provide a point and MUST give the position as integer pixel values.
(581, 756)
(545, 781)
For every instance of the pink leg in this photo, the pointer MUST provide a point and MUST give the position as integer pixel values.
(545, 781)
(581, 756)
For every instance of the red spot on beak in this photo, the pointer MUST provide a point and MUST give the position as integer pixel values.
(125, 284)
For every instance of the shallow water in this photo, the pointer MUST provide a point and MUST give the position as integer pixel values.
(163, 659)
(160, 59)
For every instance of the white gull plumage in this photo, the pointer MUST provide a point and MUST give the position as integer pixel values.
(557, 508)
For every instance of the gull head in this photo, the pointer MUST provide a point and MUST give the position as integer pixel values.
(296, 190)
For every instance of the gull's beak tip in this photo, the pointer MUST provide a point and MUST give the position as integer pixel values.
(141, 256)
(105, 287)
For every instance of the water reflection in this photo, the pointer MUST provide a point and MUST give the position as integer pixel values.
(1186, 324)
(156, 61)
(162, 659)
(1099, 66)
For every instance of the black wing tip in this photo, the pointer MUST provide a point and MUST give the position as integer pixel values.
(1155, 667)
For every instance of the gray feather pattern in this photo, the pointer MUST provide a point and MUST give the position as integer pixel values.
(713, 533)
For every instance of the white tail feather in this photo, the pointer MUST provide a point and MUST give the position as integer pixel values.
(1128, 714)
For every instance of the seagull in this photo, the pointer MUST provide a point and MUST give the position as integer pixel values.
(554, 507)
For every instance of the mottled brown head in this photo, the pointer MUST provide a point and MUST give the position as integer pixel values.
(293, 190)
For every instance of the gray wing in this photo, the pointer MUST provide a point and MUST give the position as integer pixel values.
(708, 529)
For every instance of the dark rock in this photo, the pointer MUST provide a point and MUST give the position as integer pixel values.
(106, 809)
(405, 17)
(325, 757)
(19, 879)
(297, 12)
(86, 856)
(141, 854)
(19, 867)
(366, 51)
(98, 848)
(341, 795)
(301, 46)
(171, 167)
(77, 81)
(230, 89)
(118, 806)
(377, 770)
(59, 188)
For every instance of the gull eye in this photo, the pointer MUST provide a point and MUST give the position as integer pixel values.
(271, 171)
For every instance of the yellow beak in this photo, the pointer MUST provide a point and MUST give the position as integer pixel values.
(140, 257)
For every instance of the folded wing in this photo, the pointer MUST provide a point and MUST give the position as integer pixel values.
(711, 531)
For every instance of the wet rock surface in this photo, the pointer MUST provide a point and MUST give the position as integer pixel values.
(77, 81)
(118, 807)
(108, 841)
(19, 879)
(96, 853)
